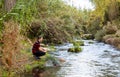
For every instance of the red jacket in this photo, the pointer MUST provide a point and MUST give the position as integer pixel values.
(35, 47)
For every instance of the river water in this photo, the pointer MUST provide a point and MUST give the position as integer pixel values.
(96, 60)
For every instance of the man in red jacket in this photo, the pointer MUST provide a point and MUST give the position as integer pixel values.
(37, 50)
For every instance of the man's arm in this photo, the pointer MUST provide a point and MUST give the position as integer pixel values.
(42, 49)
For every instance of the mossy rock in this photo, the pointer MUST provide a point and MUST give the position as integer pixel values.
(90, 42)
(71, 50)
(78, 43)
(78, 49)
(75, 49)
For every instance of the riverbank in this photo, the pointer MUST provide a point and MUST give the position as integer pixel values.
(25, 60)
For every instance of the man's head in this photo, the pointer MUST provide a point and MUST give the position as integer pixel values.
(40, 38)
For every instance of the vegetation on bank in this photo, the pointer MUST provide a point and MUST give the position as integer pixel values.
(108, 12)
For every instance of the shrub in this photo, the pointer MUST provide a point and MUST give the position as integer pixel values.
(99, 35)
(117, 33)
(116, 41)
(110, 28)
(11, 46)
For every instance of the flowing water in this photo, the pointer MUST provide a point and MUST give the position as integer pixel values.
(96, 60)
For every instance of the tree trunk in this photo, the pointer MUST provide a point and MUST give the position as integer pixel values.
(9, 4)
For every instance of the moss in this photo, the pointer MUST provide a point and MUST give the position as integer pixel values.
(78, 49)
(71, 50)
(78, 43)
(75, 49)
(5, 73)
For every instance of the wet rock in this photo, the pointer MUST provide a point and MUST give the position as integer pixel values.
(90, 42)
(106, 51)
(61, 60)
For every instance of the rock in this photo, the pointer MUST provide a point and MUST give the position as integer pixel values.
(106, 37)
(90, 42)
(109, 41)
(113, 41)
(71, 50)
(61, 60)
(87, 36)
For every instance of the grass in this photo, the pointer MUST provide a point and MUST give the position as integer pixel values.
(75, 49)
(78, 43)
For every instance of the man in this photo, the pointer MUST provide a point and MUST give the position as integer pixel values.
(37, 50)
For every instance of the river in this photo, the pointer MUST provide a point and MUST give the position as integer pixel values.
(96, 60)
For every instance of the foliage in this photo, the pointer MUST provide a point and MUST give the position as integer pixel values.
(78, 43)
(22, 12)
(110, 28)
(54, 22)
(117, 34)
(99, 35)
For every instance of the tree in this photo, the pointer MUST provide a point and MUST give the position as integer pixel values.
(9, 4)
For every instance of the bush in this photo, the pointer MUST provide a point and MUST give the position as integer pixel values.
(117, 33)
(99, 35)
(110, 29)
